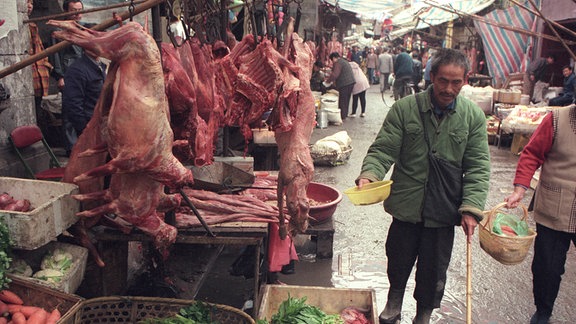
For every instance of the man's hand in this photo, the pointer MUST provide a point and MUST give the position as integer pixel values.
(469, 223)
(362, 182)
(61, 83)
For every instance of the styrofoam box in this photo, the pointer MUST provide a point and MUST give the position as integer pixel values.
(54, 211)
(263, 136)
(329, 300)
(72, 277)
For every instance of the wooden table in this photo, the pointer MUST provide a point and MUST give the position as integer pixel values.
(113, 246)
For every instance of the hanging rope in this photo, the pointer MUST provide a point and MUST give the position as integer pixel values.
(131, 10)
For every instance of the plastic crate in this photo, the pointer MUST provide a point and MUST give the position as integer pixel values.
(54, 211)
(72, 277)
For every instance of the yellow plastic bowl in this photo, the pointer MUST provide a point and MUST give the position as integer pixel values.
(371, 193)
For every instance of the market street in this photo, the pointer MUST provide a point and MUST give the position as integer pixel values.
(501, 293)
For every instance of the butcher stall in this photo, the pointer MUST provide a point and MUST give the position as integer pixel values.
(144, 199)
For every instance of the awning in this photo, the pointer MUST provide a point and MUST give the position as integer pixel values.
(506, 50)
(426, 13)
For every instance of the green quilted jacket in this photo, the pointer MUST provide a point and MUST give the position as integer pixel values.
(459, 137)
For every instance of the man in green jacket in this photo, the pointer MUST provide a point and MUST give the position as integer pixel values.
(456, 128)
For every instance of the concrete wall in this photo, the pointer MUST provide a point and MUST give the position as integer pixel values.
(19, 109)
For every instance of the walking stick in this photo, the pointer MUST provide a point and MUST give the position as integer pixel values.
(468, 281)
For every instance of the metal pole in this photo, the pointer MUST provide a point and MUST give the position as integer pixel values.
(63, 44)
(67, 14)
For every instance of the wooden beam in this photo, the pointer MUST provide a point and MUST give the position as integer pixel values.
(64, 44)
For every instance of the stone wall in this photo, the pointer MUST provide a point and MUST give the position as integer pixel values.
(19, 109)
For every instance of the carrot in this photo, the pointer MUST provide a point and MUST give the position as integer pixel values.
(10, 297)
(3, 308)
(38, 317)
(29, 310)
(13, 308)
(18, 318)
(54, 317)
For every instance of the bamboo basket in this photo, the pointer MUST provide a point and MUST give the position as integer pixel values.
(126, 309)
(508, 250)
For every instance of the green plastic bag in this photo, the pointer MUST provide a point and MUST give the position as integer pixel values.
(520, 227)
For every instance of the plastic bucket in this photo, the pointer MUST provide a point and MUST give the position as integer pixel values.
(322, 118)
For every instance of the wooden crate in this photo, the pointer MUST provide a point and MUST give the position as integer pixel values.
(329, 300)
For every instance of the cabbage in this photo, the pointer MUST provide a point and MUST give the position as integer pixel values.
(49, 275)
(58, 260)
(20, 267)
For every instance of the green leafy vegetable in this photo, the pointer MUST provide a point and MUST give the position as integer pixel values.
(5, 250)
(197, 313)
(296, 311)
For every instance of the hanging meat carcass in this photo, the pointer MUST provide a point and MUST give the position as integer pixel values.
(131, 125)
(293, 138)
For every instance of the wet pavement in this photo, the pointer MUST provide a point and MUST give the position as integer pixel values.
(500, 293)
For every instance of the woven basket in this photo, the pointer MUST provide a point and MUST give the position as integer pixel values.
(119, 309)
(505, 249)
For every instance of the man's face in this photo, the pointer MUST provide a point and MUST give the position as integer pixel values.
(549, 60)
(566, 72)
(73, 7)
(447, 83)
(30, 6)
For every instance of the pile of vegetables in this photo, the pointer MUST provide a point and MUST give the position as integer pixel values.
(5, 251)
(296, 311)
(53, 268)
(13, 310)
(196, 313)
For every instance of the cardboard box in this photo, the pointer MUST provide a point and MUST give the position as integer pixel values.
(54, 211)
(72, 277)
(518, 143)
(245, 164)
(263, 136)
(329, 300)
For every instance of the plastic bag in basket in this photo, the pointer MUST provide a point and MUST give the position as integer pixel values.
(510, 225)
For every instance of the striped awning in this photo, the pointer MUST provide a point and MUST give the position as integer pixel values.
(507, 51)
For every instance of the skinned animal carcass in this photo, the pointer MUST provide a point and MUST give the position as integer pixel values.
(130, 125)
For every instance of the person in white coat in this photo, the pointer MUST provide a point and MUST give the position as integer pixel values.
(359, 91)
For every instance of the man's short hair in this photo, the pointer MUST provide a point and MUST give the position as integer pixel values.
(333, 55)
(67, 3)
(447, 56)
(567, 67)
(319, 64)
(552, 57)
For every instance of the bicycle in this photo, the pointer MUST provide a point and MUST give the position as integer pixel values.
(406, 89)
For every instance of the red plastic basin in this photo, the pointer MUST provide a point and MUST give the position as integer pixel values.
(327, 196)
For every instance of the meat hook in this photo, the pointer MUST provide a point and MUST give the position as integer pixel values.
(196, 212)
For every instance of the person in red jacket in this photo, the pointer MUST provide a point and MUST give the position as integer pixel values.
(552, 148)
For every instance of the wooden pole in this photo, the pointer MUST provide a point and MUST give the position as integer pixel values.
(468, 281)
(566, 47)
(63, 44)
(497, 24)
(567, 30)
(67, 14)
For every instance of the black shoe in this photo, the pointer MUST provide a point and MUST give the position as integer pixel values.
(288, 269)
(393, 320)
(538, 318)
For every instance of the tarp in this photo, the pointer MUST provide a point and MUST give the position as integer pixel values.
(507, 51)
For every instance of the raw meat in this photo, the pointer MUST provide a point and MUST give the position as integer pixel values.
(131, 125)
(296, 165)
